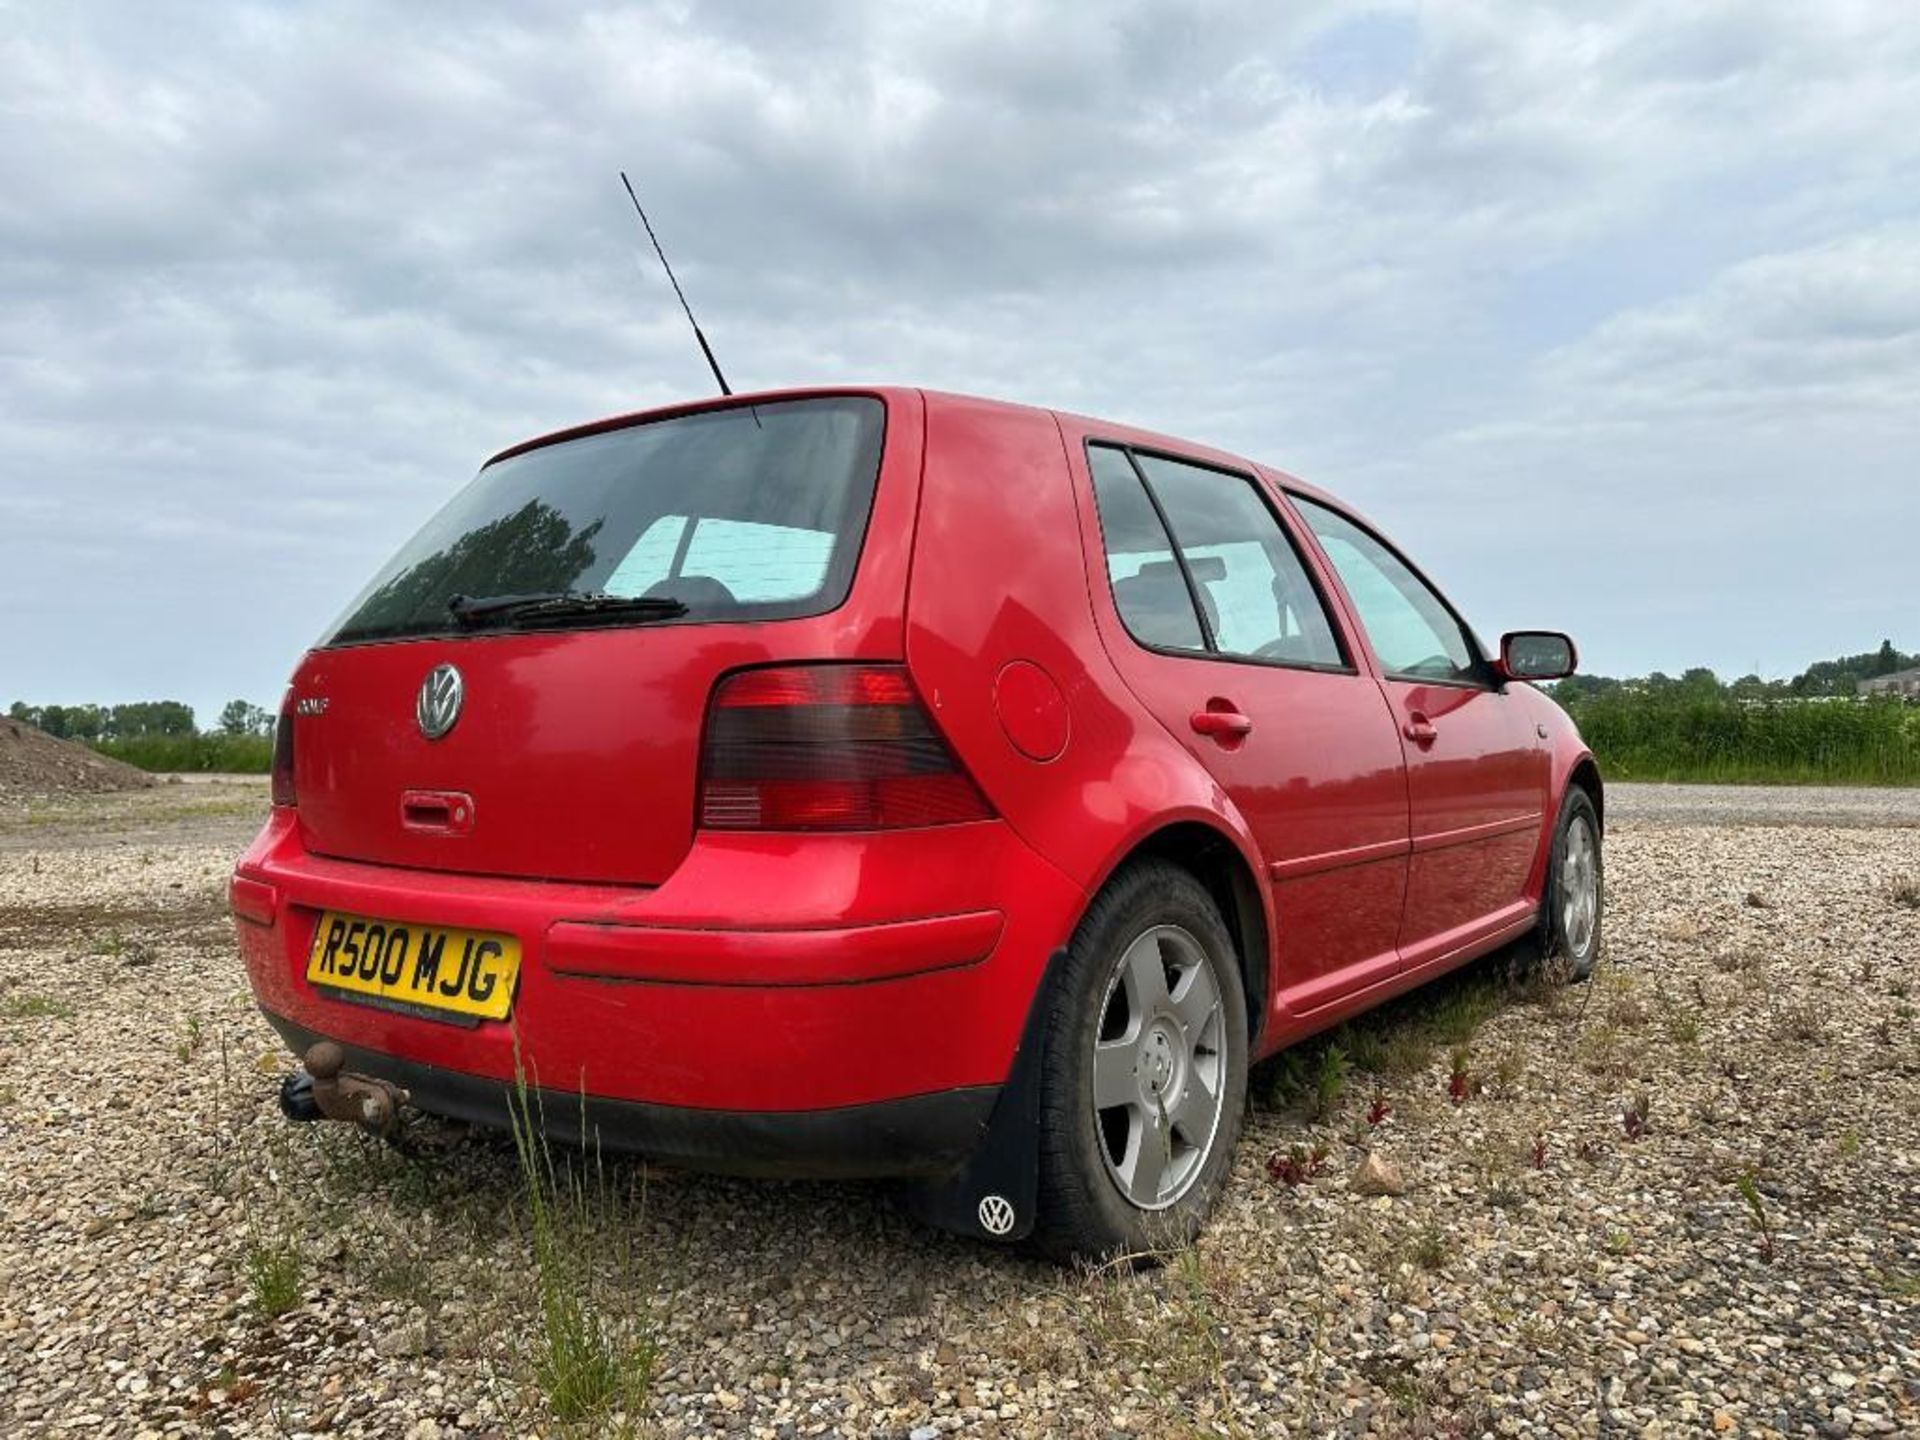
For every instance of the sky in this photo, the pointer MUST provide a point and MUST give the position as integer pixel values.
(1609, 314)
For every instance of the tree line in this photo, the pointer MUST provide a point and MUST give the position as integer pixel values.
(139, 720)
(1824, 678)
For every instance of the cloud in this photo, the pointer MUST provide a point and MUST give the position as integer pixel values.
(274, 278)
(1823, 332)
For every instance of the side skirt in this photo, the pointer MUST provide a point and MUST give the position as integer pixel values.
(1290, 1027)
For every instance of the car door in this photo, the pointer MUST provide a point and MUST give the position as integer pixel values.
(1218, 627)
(1477, 772)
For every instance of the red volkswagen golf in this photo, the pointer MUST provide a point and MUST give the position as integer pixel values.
(888, 783)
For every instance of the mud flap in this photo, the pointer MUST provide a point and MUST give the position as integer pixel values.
(995, 1194)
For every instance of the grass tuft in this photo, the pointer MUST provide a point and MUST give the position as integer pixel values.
(1749, 1188)
(35, 1007)
(274, 1270)
(587, 1363)
(1429, 1248)
(1804, 1024)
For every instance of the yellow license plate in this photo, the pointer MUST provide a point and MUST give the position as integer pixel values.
(466, 972)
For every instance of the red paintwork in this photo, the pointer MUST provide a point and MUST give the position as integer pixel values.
(780, 971)
(1032, 710)
(842, 955)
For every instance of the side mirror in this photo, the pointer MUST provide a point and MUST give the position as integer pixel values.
(1536, 655)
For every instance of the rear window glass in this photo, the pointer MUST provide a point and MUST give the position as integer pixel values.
(750, 513)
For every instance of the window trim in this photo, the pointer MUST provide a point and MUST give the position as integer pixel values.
(1348, 666)
(1485, 678)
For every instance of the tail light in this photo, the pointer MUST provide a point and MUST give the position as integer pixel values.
(829, 747)
(283, 791)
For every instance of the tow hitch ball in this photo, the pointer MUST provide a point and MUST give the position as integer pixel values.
(324, 1089)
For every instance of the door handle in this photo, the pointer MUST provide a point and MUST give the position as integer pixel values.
(1419, 729)
(437, 812)
(1220, 721)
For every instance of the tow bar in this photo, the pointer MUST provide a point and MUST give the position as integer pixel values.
(324, 1089)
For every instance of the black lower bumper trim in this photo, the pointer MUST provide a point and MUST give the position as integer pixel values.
(919, 1136)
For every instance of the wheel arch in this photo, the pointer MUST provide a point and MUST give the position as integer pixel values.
(1214, 857)
(1586, 774)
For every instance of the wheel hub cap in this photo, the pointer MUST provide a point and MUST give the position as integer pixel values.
(1159, 1062)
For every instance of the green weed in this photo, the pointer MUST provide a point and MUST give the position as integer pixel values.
(35, 1007)
(1749, 1189)
(1429, 1248)
(1330, 1081)
(587, 1364)
(274, 1270)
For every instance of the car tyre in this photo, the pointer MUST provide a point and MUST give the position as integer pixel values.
(1138, 1173)
(1575, 889)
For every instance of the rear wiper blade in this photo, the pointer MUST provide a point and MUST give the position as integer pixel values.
(561, 605)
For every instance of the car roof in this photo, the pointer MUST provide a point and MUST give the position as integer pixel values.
(1079, 426)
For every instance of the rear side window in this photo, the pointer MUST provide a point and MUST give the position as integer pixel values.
(1148, 588)
(1415, 634)
(750, 513)
(1256, 601)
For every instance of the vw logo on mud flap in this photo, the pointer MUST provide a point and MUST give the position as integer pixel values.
(996, 1215)
(441, 695)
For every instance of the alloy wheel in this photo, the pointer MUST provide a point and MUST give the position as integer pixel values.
(1159, 1067)
(1579, 887)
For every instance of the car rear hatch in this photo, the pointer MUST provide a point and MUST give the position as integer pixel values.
(561, 739)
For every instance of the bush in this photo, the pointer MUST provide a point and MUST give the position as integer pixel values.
(1641, 736)
(216, 753)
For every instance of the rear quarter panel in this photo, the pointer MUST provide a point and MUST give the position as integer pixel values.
(1000, 576)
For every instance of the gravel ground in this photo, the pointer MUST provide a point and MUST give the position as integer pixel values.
(1823, 805)
(221, 811)
(1556, 1266)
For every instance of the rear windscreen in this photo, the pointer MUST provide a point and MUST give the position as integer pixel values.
(751, 513)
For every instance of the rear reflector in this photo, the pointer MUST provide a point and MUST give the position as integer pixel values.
(283, 791)
(829, 747)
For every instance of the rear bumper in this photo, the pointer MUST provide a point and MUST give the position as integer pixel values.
(918, 1136)
(807, 1003)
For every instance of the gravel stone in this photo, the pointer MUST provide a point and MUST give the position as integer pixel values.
(1377, 1175)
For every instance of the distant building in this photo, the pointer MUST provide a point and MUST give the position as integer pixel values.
(1904, 683)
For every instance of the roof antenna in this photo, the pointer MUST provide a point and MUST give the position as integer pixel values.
(705, 349)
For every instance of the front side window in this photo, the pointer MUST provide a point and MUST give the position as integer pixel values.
(748, 513)
(1413, 632)
(1255, 599)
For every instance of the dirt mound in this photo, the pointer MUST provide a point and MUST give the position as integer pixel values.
(34, 763)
